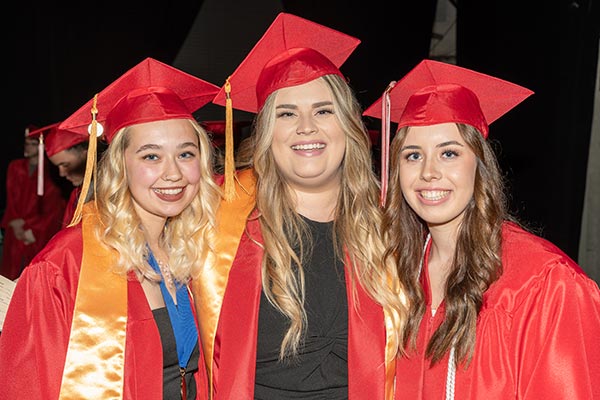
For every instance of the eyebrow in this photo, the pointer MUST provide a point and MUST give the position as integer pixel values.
(151, 146)
(315, 105)
(444, 144)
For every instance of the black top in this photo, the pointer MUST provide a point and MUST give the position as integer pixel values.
(320, 371)
(171, 376)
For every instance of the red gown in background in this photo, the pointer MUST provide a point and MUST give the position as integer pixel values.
(538, 332)
(35, 338)
(71, 205)
(42, 214)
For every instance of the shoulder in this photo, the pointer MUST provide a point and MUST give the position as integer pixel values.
(533, 266)
(61, 257)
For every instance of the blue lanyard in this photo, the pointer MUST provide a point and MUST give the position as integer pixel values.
(180, 314)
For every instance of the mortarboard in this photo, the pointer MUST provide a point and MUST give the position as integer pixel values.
(150, 91)
(291, 52)
(56, 140)
(434, 92)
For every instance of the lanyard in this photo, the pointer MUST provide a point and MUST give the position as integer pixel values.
(180, 314)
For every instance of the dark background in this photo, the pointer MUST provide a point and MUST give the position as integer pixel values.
(58, 57)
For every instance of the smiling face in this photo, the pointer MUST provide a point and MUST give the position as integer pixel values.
(308, 142)
(162, 161)
(437, 170)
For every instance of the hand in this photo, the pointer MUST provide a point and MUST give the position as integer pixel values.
(17, 227)
(28, 237)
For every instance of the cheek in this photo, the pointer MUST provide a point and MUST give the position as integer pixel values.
(191, 172)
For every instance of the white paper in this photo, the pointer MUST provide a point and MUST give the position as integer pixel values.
(6, 290)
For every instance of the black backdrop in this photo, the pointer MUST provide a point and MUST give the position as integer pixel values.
(58, 57)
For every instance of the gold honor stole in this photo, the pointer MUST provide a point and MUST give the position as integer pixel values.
(96, 353)
(232, 216)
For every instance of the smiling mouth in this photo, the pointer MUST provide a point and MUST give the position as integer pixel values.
(311, 146)
(434, 195)
(168, 192)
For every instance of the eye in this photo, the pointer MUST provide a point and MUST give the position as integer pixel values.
(285, 114)
(150, 157)
(325, 111)
(412, 156)
(450, 153)
(187, 154)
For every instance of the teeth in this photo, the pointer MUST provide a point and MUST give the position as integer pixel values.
(312, 146)
(168, 191)
(434, 194)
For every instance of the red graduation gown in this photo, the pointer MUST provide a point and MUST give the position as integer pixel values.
(36, 331)
(42, 214)
(537, 334)
(234, 362)
(71, 205)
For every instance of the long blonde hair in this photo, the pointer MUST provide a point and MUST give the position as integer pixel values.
(357, 219)
(477, 259)
(188, 237)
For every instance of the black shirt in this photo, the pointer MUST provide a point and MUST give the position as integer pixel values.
(320, 371)
(171, 376)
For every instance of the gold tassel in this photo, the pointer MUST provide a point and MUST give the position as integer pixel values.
(90, 166)
(229, 159)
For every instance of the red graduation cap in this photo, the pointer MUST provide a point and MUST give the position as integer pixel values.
(56, 140)
(150, 91)
(291, 52)
(435, 92)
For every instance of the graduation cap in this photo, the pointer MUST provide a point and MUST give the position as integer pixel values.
(291, 52)
(150, 91)
(56, 140)
(434, 92)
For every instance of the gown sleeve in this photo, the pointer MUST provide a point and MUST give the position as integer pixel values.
(35, 334)
(555, 336)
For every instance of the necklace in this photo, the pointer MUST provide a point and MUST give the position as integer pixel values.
(166, 274)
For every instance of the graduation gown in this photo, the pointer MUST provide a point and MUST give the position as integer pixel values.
(228, 298)
(537, 333)
(42, 214)
(37, 328)
(71, 205)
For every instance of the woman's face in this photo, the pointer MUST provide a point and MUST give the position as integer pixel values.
(308, 142)
(162, 167)
(437, 173)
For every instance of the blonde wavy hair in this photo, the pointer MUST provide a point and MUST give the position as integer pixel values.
(477, 258)
(357, 220)
(188, 237)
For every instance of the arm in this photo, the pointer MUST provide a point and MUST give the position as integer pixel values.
(555, 337)
(34, 339)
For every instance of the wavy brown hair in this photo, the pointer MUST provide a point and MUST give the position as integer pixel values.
(357, 219)
(188, 237)
(477, 258)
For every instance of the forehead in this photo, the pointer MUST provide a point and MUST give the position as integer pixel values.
(311, 92)
(434, 134)
(162, 132)
(64, 156)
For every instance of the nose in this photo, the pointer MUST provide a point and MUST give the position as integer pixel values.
(431, 170)
(172, 172)
(62, 171)
(306, 126)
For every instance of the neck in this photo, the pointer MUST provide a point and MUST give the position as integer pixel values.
(317, 206)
